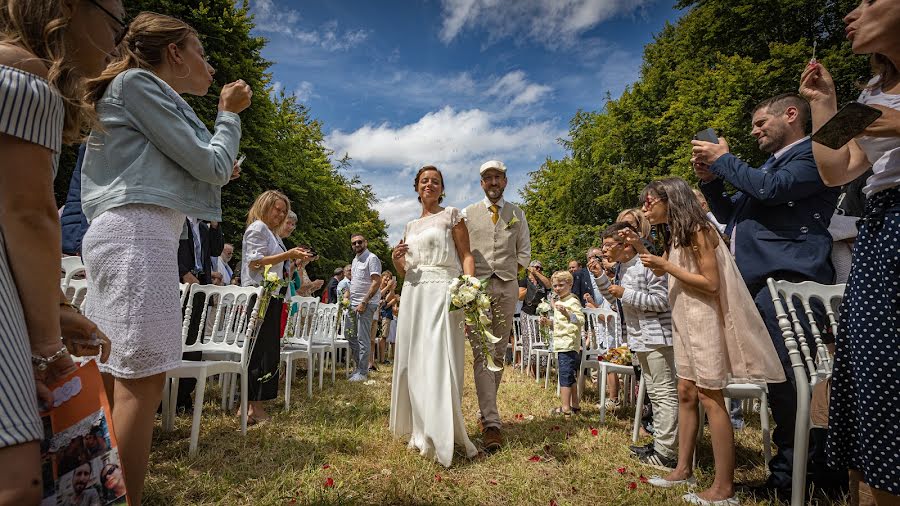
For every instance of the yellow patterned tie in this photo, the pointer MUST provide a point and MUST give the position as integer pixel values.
(495, 214)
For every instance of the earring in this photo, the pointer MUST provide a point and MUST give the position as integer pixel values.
(186, 75)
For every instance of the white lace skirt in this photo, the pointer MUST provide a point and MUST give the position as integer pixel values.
(131, 257)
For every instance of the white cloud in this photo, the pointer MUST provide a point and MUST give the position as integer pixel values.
(455, 141)
(515, 87)
(272, 18)
(304, 91)
(554, 23)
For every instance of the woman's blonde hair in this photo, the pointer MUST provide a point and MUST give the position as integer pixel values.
(264, 204)
(39, 26)
(642, 221)
(144, 47)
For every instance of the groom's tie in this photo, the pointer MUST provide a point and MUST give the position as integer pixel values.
(495, 214)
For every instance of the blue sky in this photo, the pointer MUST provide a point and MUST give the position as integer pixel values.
(452, 83)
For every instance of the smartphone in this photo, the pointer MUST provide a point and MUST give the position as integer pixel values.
(849, 122)
(708, 135)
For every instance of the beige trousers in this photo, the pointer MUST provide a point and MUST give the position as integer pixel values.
(504, 295)
(658, 368)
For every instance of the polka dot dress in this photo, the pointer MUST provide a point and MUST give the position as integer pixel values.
(865, 396)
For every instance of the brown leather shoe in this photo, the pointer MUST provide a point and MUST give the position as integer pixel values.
(492, 439)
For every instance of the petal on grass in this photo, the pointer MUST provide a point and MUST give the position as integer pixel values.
(632, 486)
(329, 482)
(595, 432)
(621, 470)
(535, 458)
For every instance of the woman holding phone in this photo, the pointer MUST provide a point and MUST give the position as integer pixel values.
(151, 163)
(865, 383)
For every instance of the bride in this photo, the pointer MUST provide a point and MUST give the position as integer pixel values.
(426, 393)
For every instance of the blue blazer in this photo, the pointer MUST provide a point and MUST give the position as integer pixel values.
(782, 211)
(74, 224)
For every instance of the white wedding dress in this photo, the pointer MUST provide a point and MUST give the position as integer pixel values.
(426, 395)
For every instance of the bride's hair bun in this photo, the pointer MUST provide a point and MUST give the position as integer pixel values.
(419, 174)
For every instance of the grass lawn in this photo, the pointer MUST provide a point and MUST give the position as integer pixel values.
(336, 449)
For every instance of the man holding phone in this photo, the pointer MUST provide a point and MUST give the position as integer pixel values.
(778, 223)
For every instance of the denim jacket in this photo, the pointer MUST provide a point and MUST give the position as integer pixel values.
(152, 149)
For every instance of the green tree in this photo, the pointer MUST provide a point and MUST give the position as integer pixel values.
(707, 70)
(283, 143)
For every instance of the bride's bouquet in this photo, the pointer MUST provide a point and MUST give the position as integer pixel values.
(467, 293)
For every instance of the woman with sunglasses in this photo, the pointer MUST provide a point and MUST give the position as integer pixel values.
(151, 163)
(47, 49)
(113, 483)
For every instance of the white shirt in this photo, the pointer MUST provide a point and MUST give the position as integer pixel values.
(195, 230)
(364, 266)
(523, 255)
(882, 152)
(259, 242)
(224, 269)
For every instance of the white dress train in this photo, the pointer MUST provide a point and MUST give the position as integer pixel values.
(426, 394)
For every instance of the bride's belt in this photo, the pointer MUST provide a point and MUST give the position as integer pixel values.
(430, 274)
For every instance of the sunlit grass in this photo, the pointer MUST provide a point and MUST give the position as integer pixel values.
(342, 435)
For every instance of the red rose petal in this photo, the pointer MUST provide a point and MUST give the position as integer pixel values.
(643, 479)
(535, 458)
(595, 432)
(492, 482)
(437, 478)
(632, 486)
(329, 482)
(326, 466)
(621, 470)
(552, 502)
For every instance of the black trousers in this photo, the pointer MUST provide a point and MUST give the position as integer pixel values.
(783, 401)
(263, 377)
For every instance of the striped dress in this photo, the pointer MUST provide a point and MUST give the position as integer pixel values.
(32, 111)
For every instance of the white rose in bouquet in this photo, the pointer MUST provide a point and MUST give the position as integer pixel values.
(484, 302)
(454, 285)
(476, 283)
(468, 294)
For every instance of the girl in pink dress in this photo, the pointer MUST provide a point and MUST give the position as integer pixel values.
(718, 335)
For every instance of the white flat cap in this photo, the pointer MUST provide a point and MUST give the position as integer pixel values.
(493, 164)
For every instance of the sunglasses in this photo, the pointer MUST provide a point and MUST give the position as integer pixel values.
(356, 243)
(123, 26)
(110, 471)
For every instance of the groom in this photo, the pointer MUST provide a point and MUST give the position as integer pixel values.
(499, 239)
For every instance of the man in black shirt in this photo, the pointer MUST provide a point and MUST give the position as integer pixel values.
(533, 287)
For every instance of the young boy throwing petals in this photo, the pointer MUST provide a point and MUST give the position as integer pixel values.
(568, 320)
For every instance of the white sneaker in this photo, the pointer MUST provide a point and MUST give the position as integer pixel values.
(356, 378)
(613, 404)
(659, 481)
(692, 498)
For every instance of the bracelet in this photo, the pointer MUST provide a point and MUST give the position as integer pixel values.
(41, 363)
(69, 304)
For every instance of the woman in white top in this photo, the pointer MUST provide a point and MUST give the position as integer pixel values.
(262, 247)
(864, 418)
(47, 48)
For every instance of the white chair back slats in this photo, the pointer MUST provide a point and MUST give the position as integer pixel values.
(234, 319)
(302, 323)
(71, 266)
(605, 324)
(596, 334)
(815, 355)
(183, 289)
(325, 330)
(76, 292)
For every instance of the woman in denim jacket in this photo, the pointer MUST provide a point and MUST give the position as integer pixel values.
(149, 164)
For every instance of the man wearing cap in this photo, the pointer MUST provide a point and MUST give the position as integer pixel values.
(500, 243)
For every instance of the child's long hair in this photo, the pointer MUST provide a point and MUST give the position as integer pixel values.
(685, 216)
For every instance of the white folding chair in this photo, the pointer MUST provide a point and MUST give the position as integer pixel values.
(71, 266)
(517, 346)
(297, 343)
(325, 334)
(537, 348)
(340, 340)
(610, 338)
(234, 343)
(811, 362)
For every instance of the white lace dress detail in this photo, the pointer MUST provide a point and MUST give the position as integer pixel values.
(131, 258)
(429, 362)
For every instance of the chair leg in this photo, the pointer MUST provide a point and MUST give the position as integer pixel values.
(642, 391)
(288, 376)
(173, 401)
(223, 387)
(232, 390)
(333, 365)
(764, 426)
(199, 393)
(547, 375)
(243, 401)
(310, 371)
(602, 394)
(321, 367)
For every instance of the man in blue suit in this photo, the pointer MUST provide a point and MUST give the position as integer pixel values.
(778, 223)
